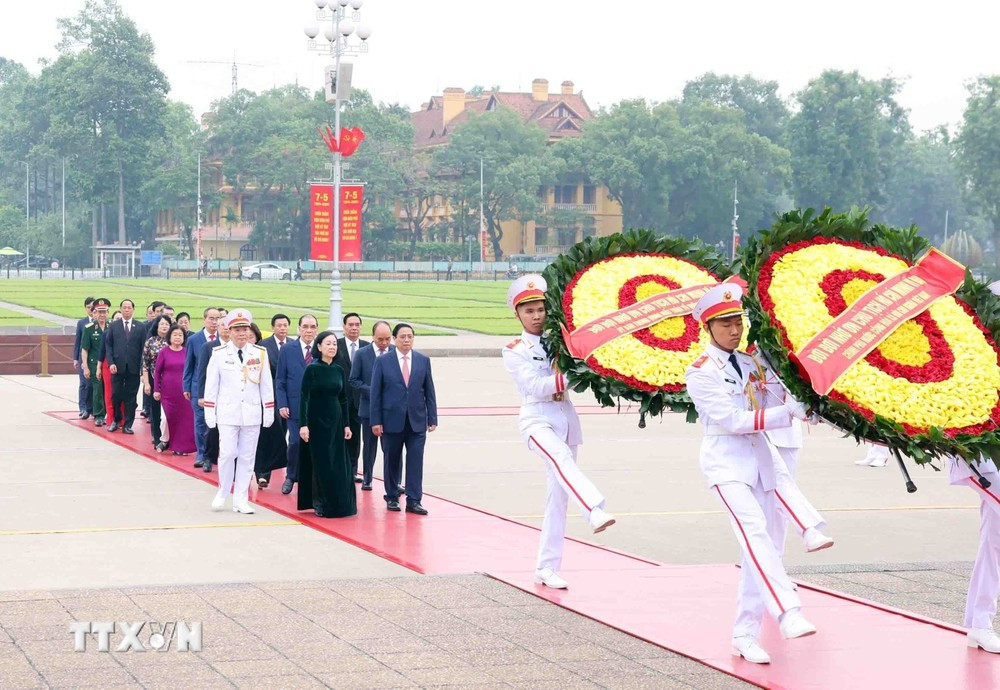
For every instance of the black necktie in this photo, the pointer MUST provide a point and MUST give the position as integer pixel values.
(736, 365)
(240, 353)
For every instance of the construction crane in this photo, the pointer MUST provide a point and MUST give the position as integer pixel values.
(235, 68)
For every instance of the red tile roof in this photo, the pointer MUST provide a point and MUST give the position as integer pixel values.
(431, 130)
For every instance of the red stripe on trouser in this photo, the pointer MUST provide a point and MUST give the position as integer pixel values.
(988, 493)
(790, 511)
(565, 481)
(753, 556)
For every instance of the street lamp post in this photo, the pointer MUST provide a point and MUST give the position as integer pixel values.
(338, 34)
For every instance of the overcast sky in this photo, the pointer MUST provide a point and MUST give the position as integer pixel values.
(610, 50)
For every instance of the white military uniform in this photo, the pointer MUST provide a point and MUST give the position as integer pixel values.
(750, 478)
(984, 587)
(550, 426)
(787, 442)
(238, 396)
(877, 456)
(742, 466)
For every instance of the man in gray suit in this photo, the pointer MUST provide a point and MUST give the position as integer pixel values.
(361, 379)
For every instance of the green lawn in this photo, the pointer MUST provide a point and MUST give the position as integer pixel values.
(9, 317)
(477, 307)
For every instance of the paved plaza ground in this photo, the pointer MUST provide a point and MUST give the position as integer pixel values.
(91, 531)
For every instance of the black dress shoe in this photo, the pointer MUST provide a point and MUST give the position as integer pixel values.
(112, 427)
(128, 430)
(98, 422)
(416, 508)
(286, 488)
(358, 479)
(366, 487)
(84, 415)
(199, 463)
(206, 466)
(393, 506)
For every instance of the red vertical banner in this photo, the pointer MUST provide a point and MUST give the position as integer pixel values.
(351, 198)
(321, 222)
(483, 245)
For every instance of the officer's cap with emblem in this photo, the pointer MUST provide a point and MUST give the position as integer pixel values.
(527, 288)
(721, 301)
(102, 304)
(238, 317)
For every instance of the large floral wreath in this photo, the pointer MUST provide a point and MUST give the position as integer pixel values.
(600, 276)
(930, 388)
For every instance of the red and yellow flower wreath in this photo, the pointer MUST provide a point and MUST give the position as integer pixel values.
(603, 275)
(931, 387)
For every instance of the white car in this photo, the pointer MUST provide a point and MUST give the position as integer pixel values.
(266, 272)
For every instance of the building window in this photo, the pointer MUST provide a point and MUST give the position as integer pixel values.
(567, 236)
(565, 194)
(543, 193)
(590, 231)
(541, 236)
(589, 194)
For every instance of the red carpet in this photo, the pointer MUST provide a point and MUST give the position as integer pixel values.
(688, 609)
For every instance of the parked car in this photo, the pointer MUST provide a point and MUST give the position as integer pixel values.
(266, 272)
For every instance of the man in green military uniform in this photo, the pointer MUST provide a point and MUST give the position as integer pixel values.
(90, 349)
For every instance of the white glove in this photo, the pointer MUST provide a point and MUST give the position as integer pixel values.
(269, 418)
(796, 409)
(814, 419)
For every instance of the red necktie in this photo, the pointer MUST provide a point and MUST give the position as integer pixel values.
(406, 371)
(211, 338)
(309, 355)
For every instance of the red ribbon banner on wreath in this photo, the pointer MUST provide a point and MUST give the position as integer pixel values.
(582, 342)
(866, 323)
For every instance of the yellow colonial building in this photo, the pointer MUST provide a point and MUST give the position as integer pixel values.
(589, 210)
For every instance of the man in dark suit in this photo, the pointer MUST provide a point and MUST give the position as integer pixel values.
(211, 434)
(274, 343)
(192, 392)
(360, 380)
(403, 410)
(84, 392)
(292, 364)
(124, 342)
(347, 349)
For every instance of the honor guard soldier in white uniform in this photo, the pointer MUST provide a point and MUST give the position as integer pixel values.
(549, 425)
(238, 397)
(743, 469)
(984, 587)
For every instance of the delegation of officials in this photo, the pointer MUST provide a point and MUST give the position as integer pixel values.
(336, 398)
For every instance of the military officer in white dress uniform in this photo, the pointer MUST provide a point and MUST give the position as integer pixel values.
(238, 397)
(549, 425)
(743, 469)
(984, 587)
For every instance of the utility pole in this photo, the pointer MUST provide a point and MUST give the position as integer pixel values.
(736, 216)
(64, 203)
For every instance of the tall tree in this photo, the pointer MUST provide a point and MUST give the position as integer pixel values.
(845, 139)
(716, 153)
(516, 161)
(121, 91)
(927, 184)
(764, 111)
(627, 148)
(979, 150)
